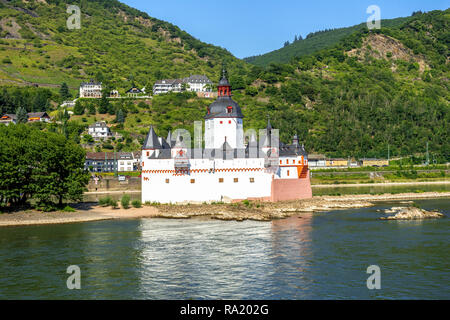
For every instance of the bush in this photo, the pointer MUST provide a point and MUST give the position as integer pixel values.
(104, 202)
(136, 203)
(125, 201)
(68, 209)
(113, 203)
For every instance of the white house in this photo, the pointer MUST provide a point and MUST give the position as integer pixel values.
(91, 89)
(167, 85)
(198, 83)
(227, 169)
(99, 130)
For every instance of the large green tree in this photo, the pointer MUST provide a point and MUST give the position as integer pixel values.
(39, 165)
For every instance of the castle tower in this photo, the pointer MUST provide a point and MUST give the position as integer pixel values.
(223, 122)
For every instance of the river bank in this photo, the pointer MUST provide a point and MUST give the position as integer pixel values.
(259, 211)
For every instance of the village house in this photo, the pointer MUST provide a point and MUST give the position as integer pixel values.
(337, 162)
(198, 83)
(32, 117)
(317, 161)
(99, 130)
(111, 162)
(372, 162)
(91, 89)
(167, 85)
(193, 83)
(134, 92)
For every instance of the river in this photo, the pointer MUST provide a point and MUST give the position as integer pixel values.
(312, 256)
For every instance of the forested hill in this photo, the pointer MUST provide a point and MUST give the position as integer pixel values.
(314, 42)
(368, 92)
(116, 44)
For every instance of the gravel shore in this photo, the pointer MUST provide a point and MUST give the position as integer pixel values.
(260, 211)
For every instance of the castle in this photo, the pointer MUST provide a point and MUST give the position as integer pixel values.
(232, 166)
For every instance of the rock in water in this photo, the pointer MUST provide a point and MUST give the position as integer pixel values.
(412, 213)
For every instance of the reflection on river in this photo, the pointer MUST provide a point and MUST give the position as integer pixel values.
(314, 256)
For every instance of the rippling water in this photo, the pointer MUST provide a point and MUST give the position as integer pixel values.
(318, 256)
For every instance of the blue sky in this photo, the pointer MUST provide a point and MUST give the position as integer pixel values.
(251, 27)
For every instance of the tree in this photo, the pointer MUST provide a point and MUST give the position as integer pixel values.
(91, 109)
(78, 109)
(64, 92)
(21, 114)
(48, 170)
(120, 118)
(104, 105)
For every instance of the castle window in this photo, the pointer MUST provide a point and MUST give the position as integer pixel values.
(252, 180)
(281, 161)
(220, 180)
(287, 161)
(167, 180)
(221, 122)
(192, 180)
(288, 173)
(229, 109)
(236, 180)
(229, 121)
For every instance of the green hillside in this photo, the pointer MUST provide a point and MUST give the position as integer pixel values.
(116, 44)
(367, 92)
(314, 42)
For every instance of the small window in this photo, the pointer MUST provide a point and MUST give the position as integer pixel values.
(252, 180)
(236, 180)
(192, 180)
(229, 121)
(281, 161)
(221, 122)
(288, 173)
(167, 180)
(287, 161)
(220, 180)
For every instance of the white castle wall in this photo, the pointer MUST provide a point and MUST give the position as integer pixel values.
(206, 186)
(218, 128)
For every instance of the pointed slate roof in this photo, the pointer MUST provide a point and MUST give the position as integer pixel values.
(169, 139)
(151, 141)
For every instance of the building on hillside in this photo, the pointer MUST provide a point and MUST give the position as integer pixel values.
(8, 118)
(127, 162)
(114, 94)
(91, 89)
(38, 117)
(134, 92)
(99, 130)
(112, 162)
(372, 162)
(32, 117)
(167, 85)
(198, 83)
(101, 161)
(337, 162)
(317, 161)
(230, 167)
